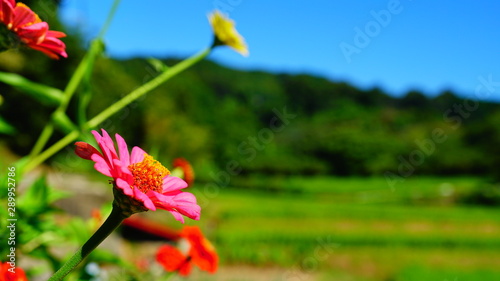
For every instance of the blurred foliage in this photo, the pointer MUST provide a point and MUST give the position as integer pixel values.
(213, 115)
(38, 228)
(416, 273)
(43, 232)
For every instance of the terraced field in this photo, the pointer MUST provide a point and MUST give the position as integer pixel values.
(354, 229)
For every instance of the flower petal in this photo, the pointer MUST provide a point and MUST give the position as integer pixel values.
(108, 143)
(121, 170)
(137, 155)
(34, 33)
(55, 34)
(226, 33)
(24, 16)
(183, 203)
(101, 165)
(7, 11)
(140, 196)
(85, 150)
(107, 146)
(124, 186)
(7, 274)
(52, 47)
(173, 260)
(202, 252)
(171, 184)
(186, 205)
(123, 150)
(177, 215)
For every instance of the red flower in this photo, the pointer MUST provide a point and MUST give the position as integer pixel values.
(200, 252)
(186, 168)
(31, 30)
(143, 182)
(151, 227)
(8, 273)
(173, 260)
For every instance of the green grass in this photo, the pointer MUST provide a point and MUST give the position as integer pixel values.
(418, 273)
(355, 227)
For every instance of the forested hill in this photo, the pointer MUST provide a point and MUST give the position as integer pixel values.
(258, 122)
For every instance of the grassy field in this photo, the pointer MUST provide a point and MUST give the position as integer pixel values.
(355, 229)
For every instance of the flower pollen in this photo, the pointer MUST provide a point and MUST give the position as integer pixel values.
(148, 174)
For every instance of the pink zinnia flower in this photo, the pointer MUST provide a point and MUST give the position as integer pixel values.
(139, 177)
(31, 30)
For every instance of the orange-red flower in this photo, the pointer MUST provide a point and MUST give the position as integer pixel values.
(186, 168)
(9, 273)
(31, 30)
(199, 252)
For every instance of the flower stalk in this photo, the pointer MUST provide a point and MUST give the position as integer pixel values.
(101, 117)
(96, 48)
(112, 222)
(146, 88)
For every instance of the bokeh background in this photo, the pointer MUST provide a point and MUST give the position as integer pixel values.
(358, 141)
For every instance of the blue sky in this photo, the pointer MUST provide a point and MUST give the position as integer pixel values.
(403, 45)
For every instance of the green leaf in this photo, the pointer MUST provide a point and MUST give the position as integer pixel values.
(77, 231)
(105, 256)
(63, 122)
(35, 198)
(55, 195)
(157, 64)
(43, 93)
(38, 197)
(6, 128)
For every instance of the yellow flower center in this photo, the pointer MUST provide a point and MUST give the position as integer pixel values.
(148, 174)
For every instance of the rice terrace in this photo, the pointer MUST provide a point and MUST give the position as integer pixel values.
(237, 140)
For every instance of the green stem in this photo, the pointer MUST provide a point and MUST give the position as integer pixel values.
(95, 48)
(81, 111)
(42, 140)
(51, 150)
(84, 97)
(112, 222)
(144, 89)
(111, 14)
(67, 94)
